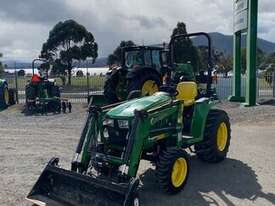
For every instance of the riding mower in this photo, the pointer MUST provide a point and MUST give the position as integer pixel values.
(43, 95)
(115, 138)
(7, 96)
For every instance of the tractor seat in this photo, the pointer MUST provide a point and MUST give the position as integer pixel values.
(187, 92)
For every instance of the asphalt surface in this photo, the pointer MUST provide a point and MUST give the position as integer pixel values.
(247, 177)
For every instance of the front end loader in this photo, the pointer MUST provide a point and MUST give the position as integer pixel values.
(115, 138)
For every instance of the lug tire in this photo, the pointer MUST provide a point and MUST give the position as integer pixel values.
(55, 91)
(3, 91)
(109, 89)
(138, 81)
(30, 92)
(165, 166)
(208, 150)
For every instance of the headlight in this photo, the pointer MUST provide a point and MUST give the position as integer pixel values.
(108, 122)
(123, 124)
(105, 133)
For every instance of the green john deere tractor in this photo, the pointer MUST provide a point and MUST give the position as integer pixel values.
(115, 138)
(42, 94)
(7, 96)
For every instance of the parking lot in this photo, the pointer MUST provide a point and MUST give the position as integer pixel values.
(247, 177)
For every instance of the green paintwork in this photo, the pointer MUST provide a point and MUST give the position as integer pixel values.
(126, 110)
(161, 120)
(201, 110)
(97, 99)
(251, 80)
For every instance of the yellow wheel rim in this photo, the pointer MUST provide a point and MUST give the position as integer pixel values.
(6, 96)
(222, 136)
(149, 87)
(179, 172)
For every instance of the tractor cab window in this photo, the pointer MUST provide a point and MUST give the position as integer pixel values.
(147, 58)
(164, 58)
(156, 59)
(133, 58)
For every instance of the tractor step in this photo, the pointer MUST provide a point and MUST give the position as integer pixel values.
(60, 187)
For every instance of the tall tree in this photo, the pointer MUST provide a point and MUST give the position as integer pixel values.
(68, 42)
(184, 50)
(116, 56)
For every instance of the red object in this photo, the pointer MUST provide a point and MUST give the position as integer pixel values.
(36, 78)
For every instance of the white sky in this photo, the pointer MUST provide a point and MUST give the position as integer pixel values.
(24, 24)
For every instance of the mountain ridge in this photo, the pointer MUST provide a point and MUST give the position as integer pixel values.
(221, 42)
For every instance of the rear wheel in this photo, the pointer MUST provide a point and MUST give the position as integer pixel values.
(217, 136)
(148, 83)
(4, 96)
(55, 91)
(111, 89)
(173, 170)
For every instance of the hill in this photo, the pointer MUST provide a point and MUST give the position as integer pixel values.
(224, 43)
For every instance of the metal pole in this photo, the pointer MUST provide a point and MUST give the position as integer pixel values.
(251, 53)
(16, 83)
(236, 96)
(273, 83)
(88, 82)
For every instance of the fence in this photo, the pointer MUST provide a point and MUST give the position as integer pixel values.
(77, 92)
(81, 87)
(265, 86)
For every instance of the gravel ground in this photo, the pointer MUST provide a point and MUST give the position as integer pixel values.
(247, 177)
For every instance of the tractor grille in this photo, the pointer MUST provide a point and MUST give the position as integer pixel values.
(117, 136)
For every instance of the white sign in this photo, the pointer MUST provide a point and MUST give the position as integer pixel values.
(240, 15)
(240, 5)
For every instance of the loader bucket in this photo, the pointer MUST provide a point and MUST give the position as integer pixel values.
(60, 187)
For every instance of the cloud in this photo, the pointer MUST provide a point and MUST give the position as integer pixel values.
(34, 11)
(25, 23)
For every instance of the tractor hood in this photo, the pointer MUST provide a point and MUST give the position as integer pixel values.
(126, 110)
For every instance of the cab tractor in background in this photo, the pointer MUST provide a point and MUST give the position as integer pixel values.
(43, 95)
(147, 69)
(7, 96)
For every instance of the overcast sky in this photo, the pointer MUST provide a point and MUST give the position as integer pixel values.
(25, 24)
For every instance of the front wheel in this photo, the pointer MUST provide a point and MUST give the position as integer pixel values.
(173, 170)
(217, 136)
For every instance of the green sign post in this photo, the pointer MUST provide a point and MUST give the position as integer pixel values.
(245, 21)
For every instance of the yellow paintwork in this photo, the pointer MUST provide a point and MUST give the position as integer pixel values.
(149, 87)
(6, 96)
(222, 136)
(179, 172)
(188, 91)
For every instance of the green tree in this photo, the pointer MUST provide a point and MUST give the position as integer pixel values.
(21, 73)
(225, 64)
(79, 73)
(68, 42)
(260, 59)
(116, 56)
(184, 50)
(1, 66)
